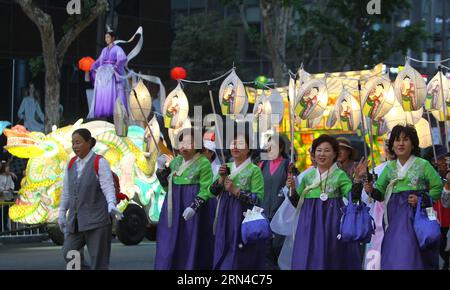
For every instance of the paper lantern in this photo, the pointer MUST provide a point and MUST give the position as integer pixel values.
(261, 114)
(378, 96)
(303, 78)
(178, 73)
(397, 116)
(140, 98)
(379, 128)
(277, 104)
(410, 89)
(261, 81)
(310, 123)
(232, 96)
(86, 63)
(439, 115)
(348, 111)
(434, 98)
(312, 100)
(424, 134)
(151, 147)
(332, 118)
(120, 118)
(176, 108)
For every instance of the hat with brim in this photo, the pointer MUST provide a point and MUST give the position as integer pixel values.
(344, 142)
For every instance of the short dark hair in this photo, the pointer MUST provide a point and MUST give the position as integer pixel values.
(283, 144)
(86, 135)
(323, 139)
(409, 132)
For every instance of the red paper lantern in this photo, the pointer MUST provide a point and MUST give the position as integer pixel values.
(85, 63)
(178, 73)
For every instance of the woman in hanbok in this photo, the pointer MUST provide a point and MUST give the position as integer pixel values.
(275, 172)
(184, 237)
(319, 197)
(106, 71)
(237, 191)
(400, 184)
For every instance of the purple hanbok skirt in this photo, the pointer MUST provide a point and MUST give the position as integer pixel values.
(106, 92)
(229, 251)
(400, 248)
(186, 245)
(316, 246)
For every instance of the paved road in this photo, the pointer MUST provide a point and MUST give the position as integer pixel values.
(48, 256)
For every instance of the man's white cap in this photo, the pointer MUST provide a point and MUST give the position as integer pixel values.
(210, 145)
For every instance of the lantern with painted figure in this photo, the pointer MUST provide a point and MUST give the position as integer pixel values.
(303, 78)
(261, 113)
(232, 96)
(175, 109)
(410, 89)
(434, 93)
(378, 96)
(312, 100)
(348, 111)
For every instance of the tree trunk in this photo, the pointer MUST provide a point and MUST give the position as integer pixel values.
(53, 55)
(276, 19)
(52, 94)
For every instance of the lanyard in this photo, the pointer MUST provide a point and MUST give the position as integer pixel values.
(324, 190)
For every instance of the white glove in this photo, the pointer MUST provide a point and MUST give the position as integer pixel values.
(62, 220)
(188, 213)
(114, 211)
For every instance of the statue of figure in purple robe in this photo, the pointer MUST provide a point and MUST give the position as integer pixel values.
(108, 84)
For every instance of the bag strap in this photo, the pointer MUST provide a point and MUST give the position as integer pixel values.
(96, 163)
(72, 161)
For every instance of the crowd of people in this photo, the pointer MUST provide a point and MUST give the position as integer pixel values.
(202, 214)
(317, 196)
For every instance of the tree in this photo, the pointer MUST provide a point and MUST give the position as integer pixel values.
(206, 46)
(295, 31)
(277, 19)
(52, 53)
(354, 38)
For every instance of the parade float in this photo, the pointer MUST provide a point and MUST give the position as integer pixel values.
(48, 155)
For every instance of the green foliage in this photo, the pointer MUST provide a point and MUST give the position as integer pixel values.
(36, 65)
(354, 37)
(206, 46)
